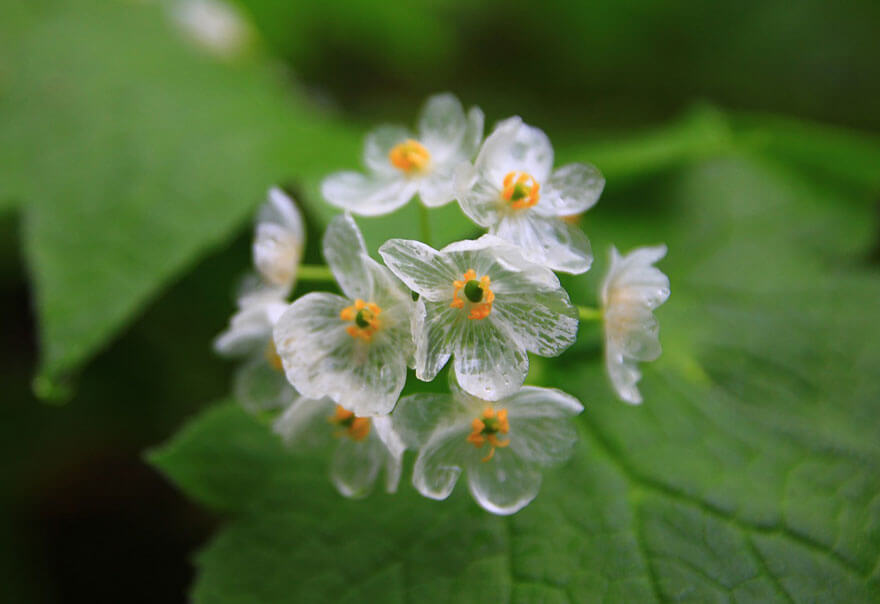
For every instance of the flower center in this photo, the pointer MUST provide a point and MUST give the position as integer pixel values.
(364, 317)
(520, 189)
(478, 295)
(486, 429)
(409, 156)
(349, 424)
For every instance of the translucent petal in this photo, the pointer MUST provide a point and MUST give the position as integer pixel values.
(258, 386)
(541, 430)
(632, 279)
(250, 328)
(356, 465)
(633, 330)
(346, 253)
(473, 136)
(417, 416)
(505, 484)
(378, 145)
(624, 375)
(441, 459)
(571, 189)
(304, 423)
(438, 188)
(420, 267)
(514, 146)
(367, 196)
(433, 330)
(442, 126)
(478, 197)
(489, 362)
(547, 240)
(395, 447)
(321, 359)
(282, 210)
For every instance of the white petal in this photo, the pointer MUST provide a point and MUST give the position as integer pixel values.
(304, 423)
(442, 126)
(356, 465)
(473, 136)
(505, 484)
(346, 253)
(321, 359)
(258, 386)
(547, 240)
(441, 460)
(489, 362)
(434, 338)
(541, 429)
(633, 330)
(624, 375)
(250, 328)
(420, 267)
(378, 145)
(632, 278)
(395, 447)
(417, 416)
(478, 196)
(438, 188)
(367, 196)
(516, 146)
(571, 189)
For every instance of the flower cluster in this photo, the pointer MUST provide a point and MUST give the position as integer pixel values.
(334, 366)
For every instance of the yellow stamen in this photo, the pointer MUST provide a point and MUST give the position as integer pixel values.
(356, 428)
(364, 317)
(521, 190)
(272, 357)
(409, 156)
(480, 307)
(486, 429)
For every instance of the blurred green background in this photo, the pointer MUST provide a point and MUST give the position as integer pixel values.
(82, 517)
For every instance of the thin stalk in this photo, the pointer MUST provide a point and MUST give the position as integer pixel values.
(425, 223)
(314, 272)
(588, 313)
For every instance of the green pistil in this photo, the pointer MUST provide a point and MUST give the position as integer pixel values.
(361, 319)
(520, 191)
(490, 425)
(473, 291)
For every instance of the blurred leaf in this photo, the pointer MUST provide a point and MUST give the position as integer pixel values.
(751, 473)
(135, 153)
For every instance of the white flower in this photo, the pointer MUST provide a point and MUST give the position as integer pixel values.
(365, 444)
(278, 241)
(402, 164)
(353, 349)
(482, 302)
(501, 445)
(513, 190)
(215, 25)
(631, 290)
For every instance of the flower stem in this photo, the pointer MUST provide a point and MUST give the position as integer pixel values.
(314, 272)
(425, 223)
(588, 313)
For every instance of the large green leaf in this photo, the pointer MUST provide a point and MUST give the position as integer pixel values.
(750, 474)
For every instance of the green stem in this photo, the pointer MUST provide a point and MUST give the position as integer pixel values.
(314, 272)
(588, 313)
(425, 223)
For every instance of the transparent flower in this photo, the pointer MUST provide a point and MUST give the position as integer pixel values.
(365, 444)
(278, 241)
(215, 25)
(352, 349)
(402, 164)
(513, 191)
(631, 290)
(482, 302)
(502, 445)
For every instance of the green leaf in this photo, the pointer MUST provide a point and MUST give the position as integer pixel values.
(135, 153)
(751, 473)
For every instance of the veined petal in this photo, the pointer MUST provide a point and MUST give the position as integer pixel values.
(434, 340)
(478, 197)
(368, 196)
(378, 145)
(250, 328)
(505, 484)
(442, 126)
(395, 447)
(541, 430)
(304, 423)
(356, 465)
(346, 253)
(547, 240)
(259, 387)
(321, 359)
(417, 416)
(441, 459)
(624, 375)
(473, 135)
(489, 361)
(632, 279)
(633, 330)
(515, 146)
(420, 267)
(571, 189)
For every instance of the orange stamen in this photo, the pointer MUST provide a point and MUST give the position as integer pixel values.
(409, 156)
(520, 189)
(364, 317)
(478, 310)
(356, 428)
(487, 428)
